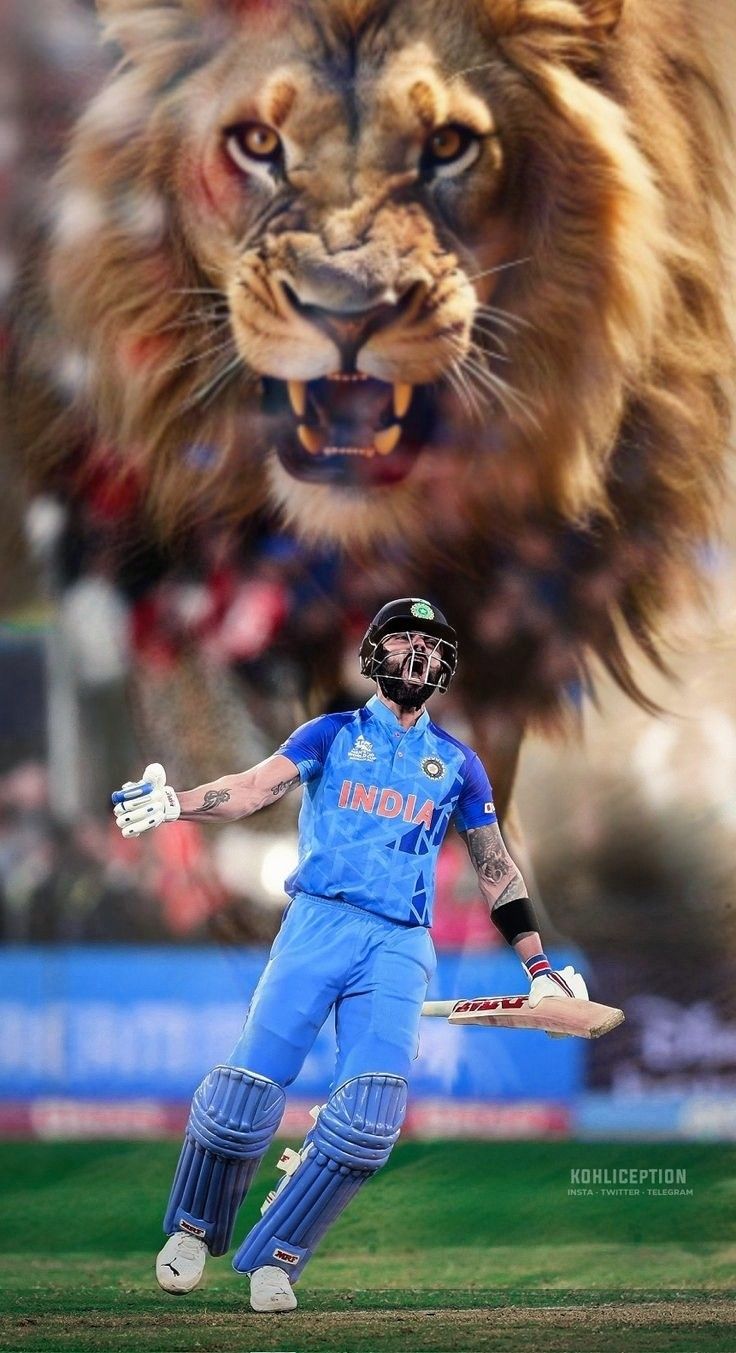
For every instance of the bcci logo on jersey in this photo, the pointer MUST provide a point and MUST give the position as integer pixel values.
(361, 750)
(433, 768)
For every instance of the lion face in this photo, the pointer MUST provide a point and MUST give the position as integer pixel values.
(398, 266)
(344, 207)
(352, 303)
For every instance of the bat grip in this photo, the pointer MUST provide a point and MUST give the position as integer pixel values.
(441, 1008)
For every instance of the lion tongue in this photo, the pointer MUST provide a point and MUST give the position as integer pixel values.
(351, 412)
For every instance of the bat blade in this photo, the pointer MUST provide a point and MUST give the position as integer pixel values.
(580, 1019)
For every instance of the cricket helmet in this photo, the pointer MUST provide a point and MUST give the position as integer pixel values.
(410, 615)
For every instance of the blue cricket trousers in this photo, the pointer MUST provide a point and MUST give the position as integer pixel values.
(375, 973)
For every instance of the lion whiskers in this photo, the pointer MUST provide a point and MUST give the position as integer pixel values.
(500, 267)
(210, 322)
(202, 356)
(217, 383)
(515, 405)
(500, 350)
(505, 319)
(467, 397)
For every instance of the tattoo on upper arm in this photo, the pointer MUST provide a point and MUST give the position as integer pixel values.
(212, 799)
(284, 786)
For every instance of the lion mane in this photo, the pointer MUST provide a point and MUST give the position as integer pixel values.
(286, 234)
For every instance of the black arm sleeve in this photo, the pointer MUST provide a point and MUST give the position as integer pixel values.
(514, 918)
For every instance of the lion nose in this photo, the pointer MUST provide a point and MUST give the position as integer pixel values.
(351, 312)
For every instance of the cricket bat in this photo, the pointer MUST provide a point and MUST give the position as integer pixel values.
(581, 1019)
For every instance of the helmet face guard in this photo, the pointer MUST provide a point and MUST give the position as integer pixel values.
(410, 617)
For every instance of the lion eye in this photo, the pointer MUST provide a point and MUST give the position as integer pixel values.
(446, 144)
(253, 143)
(449, 150)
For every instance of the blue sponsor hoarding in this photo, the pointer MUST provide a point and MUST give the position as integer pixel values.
(120, 1023)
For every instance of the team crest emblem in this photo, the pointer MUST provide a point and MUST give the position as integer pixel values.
(433, 768)
(422, 610)
(361, 750)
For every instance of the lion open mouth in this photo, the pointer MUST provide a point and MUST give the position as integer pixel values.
(348, 429)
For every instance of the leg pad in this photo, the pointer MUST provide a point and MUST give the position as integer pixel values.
(233, 1117)
(352, 1138)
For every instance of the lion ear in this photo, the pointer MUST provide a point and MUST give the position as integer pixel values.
(602, 15)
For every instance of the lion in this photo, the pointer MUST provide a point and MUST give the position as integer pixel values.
(438, 284)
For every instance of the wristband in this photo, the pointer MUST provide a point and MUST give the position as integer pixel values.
(514, 918)
(536, 966)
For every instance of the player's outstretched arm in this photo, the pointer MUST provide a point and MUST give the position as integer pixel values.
(150, 802)
(234, 796)
(503, 888)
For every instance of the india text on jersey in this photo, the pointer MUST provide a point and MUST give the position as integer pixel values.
(384, 802)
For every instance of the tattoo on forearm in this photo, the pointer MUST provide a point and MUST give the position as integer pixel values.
(489, 854)
(212, 799)
(284, 786)
(516, 888)
(494, 864)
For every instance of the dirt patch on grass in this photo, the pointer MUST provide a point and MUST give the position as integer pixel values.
(619, 1314)
(706, 1325)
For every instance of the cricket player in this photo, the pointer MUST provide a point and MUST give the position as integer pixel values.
(382, 785)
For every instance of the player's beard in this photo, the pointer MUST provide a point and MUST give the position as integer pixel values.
(406, 694)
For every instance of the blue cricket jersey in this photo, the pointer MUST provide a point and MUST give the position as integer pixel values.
(377, 805)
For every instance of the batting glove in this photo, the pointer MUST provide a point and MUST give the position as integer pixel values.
(143, 804)
(565, 983)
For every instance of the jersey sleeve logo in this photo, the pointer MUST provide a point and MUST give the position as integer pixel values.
(433, 768)
(361, 750)
(489, 807)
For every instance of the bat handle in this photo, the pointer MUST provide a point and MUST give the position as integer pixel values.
(441, 1008)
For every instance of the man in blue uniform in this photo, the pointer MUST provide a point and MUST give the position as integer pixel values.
(382, 784)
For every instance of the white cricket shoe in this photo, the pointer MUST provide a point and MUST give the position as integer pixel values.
(270, 1290)
(180, 1264)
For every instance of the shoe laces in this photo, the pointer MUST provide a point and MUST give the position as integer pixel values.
(190, 1247)
(274, 1278)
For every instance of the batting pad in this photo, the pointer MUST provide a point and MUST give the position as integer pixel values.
(352, 1138)
(233, 1117)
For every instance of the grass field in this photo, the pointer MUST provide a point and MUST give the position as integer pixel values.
(461, 1247)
